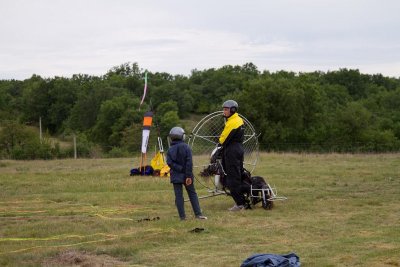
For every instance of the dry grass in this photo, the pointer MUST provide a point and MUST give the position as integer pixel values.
(342, 210)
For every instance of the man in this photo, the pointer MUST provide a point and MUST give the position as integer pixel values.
(231, 140)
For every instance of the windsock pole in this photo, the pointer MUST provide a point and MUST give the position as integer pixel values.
(147, 122)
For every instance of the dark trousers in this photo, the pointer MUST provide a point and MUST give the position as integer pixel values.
(233, 166)
(179, 200)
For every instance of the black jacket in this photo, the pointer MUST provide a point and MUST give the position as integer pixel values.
(179, 159)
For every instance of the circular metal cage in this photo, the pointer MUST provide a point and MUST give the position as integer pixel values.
(204, 139)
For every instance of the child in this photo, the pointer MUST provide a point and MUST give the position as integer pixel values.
(179, 159)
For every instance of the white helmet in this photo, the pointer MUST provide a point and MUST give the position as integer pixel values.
(232, 105)
(177, 133)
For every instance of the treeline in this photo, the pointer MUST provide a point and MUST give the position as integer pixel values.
(341, 111)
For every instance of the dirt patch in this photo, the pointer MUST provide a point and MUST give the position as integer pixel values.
(83, 259)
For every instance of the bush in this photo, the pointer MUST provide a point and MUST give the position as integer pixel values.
(20, 142)
(117, 152)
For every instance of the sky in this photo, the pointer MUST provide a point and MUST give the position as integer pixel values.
(65, 37)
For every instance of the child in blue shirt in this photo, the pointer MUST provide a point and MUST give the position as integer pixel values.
(179, 159)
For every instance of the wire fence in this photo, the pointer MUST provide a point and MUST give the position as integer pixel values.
(205, 141)
(203, 158)
(355, 147)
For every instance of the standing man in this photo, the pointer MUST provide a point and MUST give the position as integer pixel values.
(231, 140)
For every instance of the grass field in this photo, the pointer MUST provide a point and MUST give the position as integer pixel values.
(342, 210)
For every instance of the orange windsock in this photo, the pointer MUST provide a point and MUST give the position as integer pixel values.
(147, 120)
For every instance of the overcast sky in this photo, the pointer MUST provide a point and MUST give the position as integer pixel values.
(64, 37)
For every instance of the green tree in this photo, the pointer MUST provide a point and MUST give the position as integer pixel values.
(20, 142)
(168, 120)
(114, 116)
(353, 80)
(285, 111)
(36, 100)
(166, 107)
(351, 123)
(83, 114)
(131, 138)
(125, 70)
(63, 94)
(5, 100)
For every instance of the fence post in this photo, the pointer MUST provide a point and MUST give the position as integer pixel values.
(40, 129)
(75, 152)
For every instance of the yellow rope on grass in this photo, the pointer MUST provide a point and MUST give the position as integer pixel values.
(58, 246)
(118, 219)
(151, 233)
(57, 237)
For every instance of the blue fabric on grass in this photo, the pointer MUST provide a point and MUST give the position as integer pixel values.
(272, 260)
